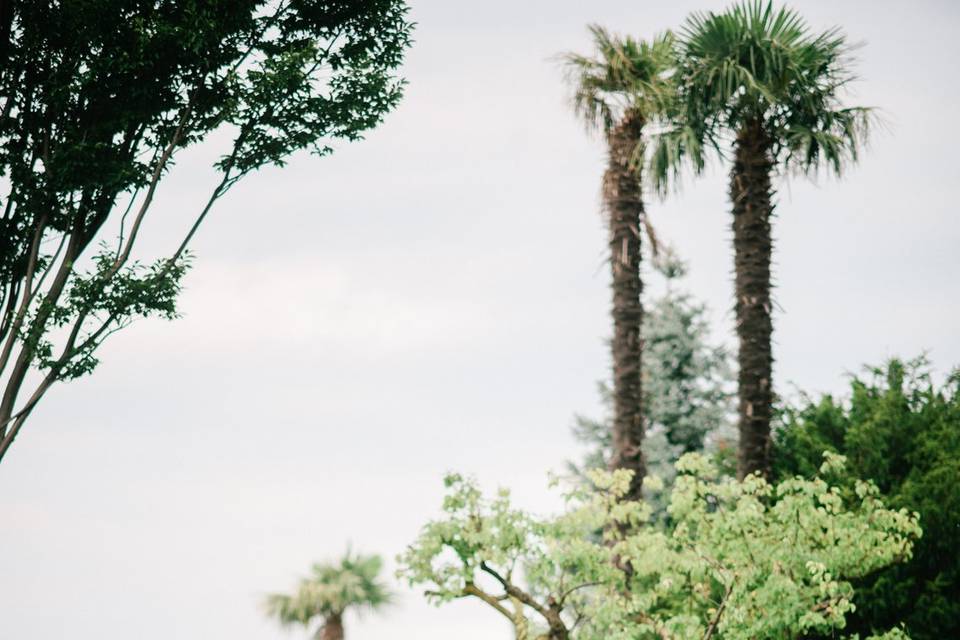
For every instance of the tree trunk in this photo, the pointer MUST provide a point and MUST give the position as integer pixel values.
(623, 201)
(751, 194)
(332, 628)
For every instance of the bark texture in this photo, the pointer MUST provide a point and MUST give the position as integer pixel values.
(752, 198)
(623, 201)
(332, 628)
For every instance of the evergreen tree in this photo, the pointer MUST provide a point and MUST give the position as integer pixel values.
(688, 403)
(901, 431)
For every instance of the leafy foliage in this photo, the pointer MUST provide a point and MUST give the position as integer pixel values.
(97, 100)
(351, 583)
(901, 431)
(742, 560)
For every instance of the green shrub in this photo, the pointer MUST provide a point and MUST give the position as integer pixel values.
(902, 431)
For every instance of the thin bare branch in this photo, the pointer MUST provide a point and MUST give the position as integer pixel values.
(572, 590)
(25, 356)
(151, 189)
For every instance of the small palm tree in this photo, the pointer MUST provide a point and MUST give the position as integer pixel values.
(624, 87)
(759, 78)
(331, 589)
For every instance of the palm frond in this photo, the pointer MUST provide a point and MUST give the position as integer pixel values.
(353, 582)
(755, 63)
(288, 610)
(670, 151)
(623, 74)
(831, 141)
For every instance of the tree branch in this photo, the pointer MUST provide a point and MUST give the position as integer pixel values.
(25, 357)
(27, 291)
(151, 189)
(571, 590)
(716, 618)
(515, 591)
(473, 590)
(550, 613)
(23, 414)
(68, 352)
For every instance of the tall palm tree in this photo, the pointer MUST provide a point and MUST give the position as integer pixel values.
(761, 79)
(331, 589)
(619, 91)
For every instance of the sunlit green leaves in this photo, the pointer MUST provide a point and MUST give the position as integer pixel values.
(745, 559)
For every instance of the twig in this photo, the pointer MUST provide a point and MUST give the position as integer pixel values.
(716, 618)
(585, 585)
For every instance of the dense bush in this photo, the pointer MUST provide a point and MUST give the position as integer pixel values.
(902, 431)
(740, 560)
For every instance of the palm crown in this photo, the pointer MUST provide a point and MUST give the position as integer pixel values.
(624, 75)
(353, 582)
(755, 66)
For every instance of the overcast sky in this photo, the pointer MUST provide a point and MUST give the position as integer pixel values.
(435, 298)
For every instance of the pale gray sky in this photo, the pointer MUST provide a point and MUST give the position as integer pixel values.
(435, 298)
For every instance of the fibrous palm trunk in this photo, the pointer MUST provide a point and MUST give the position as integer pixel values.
(623, 201)
(752, 195)
(332, 628)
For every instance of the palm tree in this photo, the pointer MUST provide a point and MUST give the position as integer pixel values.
(759, 78)
(619, 91)
(330, 590)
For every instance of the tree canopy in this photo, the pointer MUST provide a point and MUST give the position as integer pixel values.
(332, 588)
(98, 98)
(901, 430)
(753, 64)
(624, 74)
(740, 560)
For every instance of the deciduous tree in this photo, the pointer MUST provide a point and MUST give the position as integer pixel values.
(739, 561)
(98, 98)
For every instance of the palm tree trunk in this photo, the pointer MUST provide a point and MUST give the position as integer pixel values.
(623, 200)
(332, 628)
(751, 194)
